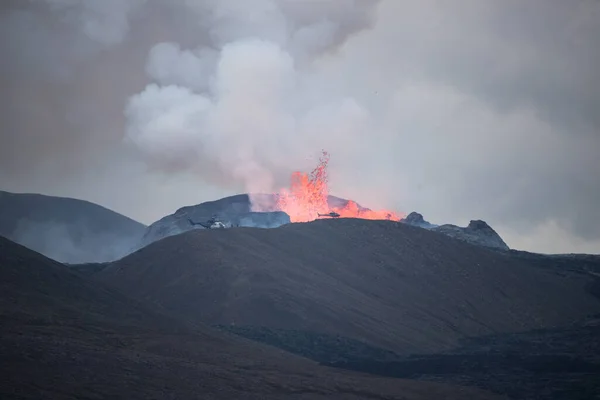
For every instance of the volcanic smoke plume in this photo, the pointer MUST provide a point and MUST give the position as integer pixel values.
(244, 108)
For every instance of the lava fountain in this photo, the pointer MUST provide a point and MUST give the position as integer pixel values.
(308, 196)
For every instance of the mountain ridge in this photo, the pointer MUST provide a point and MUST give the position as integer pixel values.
(344, 276)
(67, 229)
(259, 210)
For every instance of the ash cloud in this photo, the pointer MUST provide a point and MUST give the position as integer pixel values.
(475, 110)
(242, 110)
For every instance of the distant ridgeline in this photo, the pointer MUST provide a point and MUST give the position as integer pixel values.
(477, 232)
(237, 211)
(76, 231)
(67, 230)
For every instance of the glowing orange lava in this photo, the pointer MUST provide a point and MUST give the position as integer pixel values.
(308, 193)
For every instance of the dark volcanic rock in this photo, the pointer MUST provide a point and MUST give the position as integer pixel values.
(65, 337)
(547, 364)
(320, 347)
(477, 232)
(416, 219)
(67, 230)
(561, 263)
(384, 283)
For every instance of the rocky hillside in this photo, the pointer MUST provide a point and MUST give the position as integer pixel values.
(65, 337)
(477, 232)
(385, 283)
(416, 219)
(67, 230)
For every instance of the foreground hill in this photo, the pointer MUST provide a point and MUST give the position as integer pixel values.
(67, 230)
(388, 284)
(64, 337)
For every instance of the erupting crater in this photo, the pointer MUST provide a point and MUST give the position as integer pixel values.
(308, 194)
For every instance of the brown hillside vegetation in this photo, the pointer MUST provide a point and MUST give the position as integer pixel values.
(64, 337)
(394, 286)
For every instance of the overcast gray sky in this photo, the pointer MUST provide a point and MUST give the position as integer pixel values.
(470, 109)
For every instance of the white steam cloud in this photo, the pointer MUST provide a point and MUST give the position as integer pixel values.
(248, 108)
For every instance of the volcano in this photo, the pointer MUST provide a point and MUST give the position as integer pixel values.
(236, 211)
(308, 196)
(306, 199)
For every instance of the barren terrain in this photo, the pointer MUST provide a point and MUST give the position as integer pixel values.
(64, 337)
(390, 285)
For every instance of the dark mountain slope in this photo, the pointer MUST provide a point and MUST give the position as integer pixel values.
(64, 337)
(546, 364)
(584, 263)
(65, 229)
(392, 285)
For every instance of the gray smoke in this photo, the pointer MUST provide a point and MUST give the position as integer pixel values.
(246, 108)
(74, 243)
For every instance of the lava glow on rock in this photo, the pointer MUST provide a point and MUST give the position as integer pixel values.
(308, 193)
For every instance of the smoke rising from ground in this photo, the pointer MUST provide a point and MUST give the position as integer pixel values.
(475, 110)
(73, 243)
(244, 109)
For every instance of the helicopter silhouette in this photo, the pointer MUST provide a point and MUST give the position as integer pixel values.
(211, 223)
(331, 214)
